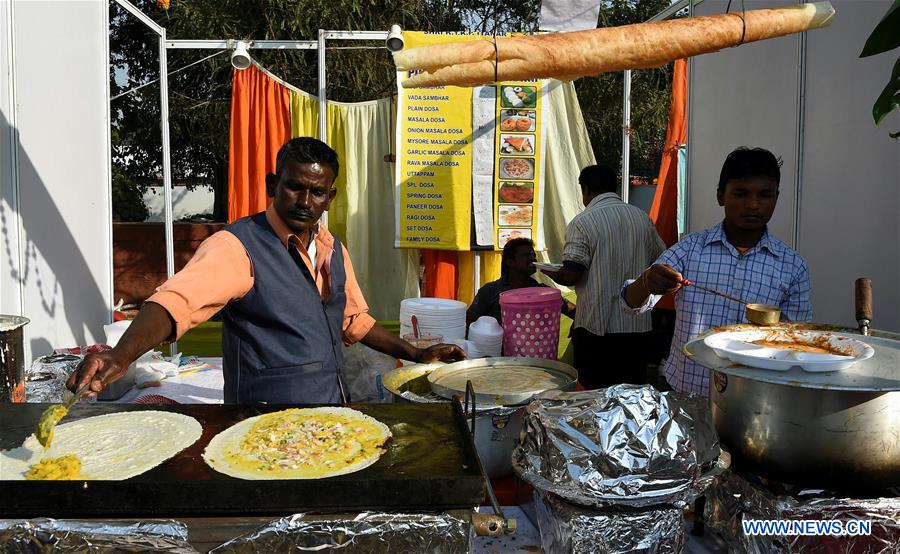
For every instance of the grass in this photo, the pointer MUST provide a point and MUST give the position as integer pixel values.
(206, 339)
(203, 340)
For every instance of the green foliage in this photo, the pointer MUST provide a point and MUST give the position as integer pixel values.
(200, 95)
(127, 198)
(602, 101)
(886, 37)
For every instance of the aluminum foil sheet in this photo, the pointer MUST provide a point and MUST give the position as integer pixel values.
(627, 445)
(570, 529)
(45, 380)
(443, 533)
(94, 537)
(736, 499)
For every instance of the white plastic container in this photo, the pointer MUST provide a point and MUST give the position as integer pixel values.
(114, 331)
(486, 335)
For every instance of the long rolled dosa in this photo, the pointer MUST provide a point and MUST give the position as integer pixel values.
(567, 56)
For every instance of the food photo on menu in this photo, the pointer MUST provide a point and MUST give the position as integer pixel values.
(517, 120)
(517, 145)
(506, 235)
(517, 168)
(515, 216)
(518, 97)
(514, 192)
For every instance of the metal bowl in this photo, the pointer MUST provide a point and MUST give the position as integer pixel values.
(763, 314)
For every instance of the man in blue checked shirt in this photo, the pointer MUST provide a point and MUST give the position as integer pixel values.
(737, 256)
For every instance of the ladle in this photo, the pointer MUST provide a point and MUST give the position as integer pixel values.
(760, 314)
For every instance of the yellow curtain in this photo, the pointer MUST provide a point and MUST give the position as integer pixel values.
(305, 123)
(362, 214)
(489, 271)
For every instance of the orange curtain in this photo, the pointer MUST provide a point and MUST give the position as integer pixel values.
(665, 201)
(260, 125)
(441, 273)
(663, 211)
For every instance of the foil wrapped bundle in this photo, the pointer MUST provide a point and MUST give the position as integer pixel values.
(45, 380)
(736, 499)
(569, 529)
(444, 533)
(627, 445)
(94, 537)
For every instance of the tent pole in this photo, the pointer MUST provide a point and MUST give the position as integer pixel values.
(626, 136)
(323, 108)
(167, 162)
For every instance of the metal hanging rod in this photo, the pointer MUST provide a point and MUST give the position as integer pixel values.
(276, 44)
(251, 44)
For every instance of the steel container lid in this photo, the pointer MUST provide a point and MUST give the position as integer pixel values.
(12, 322)
(529, 295)
(505, 381)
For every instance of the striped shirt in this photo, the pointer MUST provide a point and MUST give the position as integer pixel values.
(769, 273)
(614, 241)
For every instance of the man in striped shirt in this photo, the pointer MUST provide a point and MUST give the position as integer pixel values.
(609, 241)
(737, 256)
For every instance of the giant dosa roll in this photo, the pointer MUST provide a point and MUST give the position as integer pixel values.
(567, 56)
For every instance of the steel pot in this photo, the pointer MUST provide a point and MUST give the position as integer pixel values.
(496, 428)
(839, 430)
(12, 358)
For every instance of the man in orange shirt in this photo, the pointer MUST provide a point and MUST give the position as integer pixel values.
(285, 288)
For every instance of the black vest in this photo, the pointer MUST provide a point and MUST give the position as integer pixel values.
(281, 343)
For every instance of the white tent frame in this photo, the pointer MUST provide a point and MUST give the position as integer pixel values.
(319, 46)
(165, 44)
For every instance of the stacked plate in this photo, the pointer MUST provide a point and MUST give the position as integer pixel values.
(485, 338)
(435, 316)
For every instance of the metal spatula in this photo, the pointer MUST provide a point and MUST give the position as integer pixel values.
(52, 415)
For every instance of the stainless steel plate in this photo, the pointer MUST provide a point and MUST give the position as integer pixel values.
(503, 381)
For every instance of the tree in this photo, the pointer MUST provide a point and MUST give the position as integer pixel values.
(200, 95)
(602, 101)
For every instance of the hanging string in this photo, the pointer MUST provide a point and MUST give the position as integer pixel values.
(129, 91)
(496, 61)
(743, 20)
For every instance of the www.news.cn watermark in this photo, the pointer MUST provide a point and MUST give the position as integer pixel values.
(807, 527)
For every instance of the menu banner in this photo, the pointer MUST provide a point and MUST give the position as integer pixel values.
(469, 161)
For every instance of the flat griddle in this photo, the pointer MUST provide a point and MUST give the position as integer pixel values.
(430, 464)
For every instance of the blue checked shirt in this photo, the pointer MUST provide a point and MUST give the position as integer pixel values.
(769, 273)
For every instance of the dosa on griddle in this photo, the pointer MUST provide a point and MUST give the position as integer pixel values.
(308, 443)
(111, 446)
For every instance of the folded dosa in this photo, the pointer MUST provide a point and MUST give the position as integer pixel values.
(567, 56)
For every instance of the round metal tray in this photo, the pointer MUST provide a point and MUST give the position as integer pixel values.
(880, 373)
(503, 381)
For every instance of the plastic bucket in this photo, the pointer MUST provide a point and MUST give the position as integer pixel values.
(531, 322)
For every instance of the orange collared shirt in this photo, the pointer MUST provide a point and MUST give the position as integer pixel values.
(221, 271)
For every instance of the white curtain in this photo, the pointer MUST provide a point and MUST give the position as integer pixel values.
(386, 274)
(568, 151)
